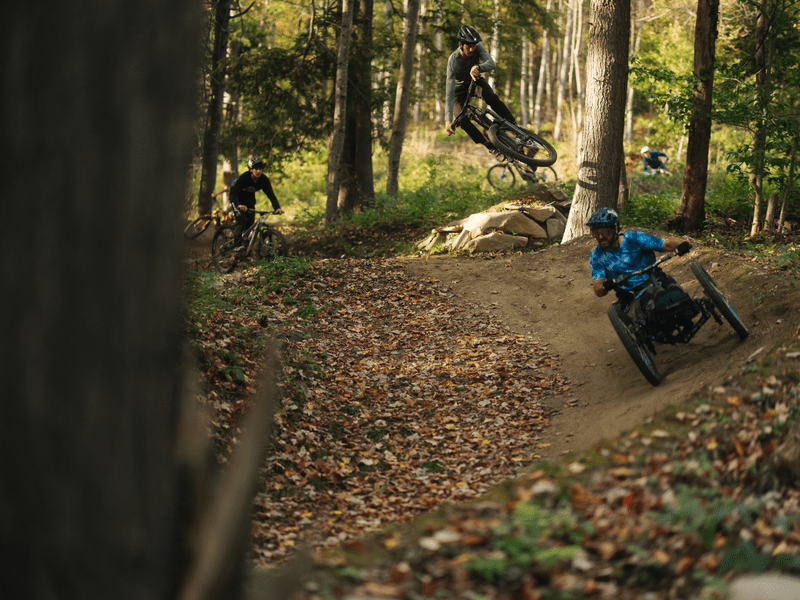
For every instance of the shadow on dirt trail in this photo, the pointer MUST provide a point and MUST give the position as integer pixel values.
(548, 295)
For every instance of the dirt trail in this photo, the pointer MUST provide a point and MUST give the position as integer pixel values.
(548, 295)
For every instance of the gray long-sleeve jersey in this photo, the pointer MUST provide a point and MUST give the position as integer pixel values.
(458, 78)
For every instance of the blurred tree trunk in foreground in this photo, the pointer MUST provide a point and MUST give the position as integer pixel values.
(98, 453)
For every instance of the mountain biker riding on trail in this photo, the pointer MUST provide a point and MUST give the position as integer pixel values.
(652, 160)
(465, 64)
(243, 193)
(618, 254)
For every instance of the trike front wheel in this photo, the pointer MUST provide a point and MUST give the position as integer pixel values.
(719, 301)
(638, 352)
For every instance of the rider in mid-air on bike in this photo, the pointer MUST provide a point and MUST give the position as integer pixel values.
(243, 194)
(618, 254)
(465, 63)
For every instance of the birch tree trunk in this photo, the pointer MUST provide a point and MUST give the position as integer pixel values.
(439, 67)
(540, 86)
(523, 81)
(601, 142)
(400, 120)
(420, 74)
(562, 74)
(495, 45)
(576, 51)
(339, 114)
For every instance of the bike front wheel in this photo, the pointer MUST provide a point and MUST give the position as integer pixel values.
(223, 249)
(719, 301)
(528, 147)
(196, 227)
(501, 176)
(638, 351)
(273, 244)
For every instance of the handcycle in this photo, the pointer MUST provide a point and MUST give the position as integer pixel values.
(509, 139)
(501, 176)
(260, 240)
(661, 311)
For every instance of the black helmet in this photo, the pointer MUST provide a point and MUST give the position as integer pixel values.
(468, 35)
(254, 162)
(604, 217)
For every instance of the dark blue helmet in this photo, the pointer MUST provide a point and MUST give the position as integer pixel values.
(604, 217)
(468, 35)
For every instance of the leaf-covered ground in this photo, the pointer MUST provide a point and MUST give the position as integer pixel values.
(398, 398)
(394, 399)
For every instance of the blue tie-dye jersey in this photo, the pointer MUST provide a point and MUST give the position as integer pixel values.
(635, 252)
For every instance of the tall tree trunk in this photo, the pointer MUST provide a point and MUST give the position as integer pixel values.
(495, 45)
(208, 175)
(400, 120)
(94, 496)
(576, 51)
(537, 110)
(760, 134)
(564, 59)
(790, 179)
(230, 160)
(439, 68)
(523, 81)
(637, 7)
(607, 80)
(356, 187)
(339, 114)
(691, 211)
(364, 172)
(764, 54)
(419, 86)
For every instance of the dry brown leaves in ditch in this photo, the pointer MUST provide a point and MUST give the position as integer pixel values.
(396, 399)
(674, 511)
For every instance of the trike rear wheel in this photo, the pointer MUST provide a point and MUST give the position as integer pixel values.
(638, 352)
(223, 249)
(719, 301)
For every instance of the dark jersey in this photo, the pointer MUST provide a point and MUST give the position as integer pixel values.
(245, 188)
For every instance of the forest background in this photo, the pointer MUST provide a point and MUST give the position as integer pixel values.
(273, 89)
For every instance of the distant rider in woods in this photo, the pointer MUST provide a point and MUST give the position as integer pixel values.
(243, 194)
(652, 161)
(466, 64)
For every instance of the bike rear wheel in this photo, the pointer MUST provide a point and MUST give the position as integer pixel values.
(501, 176)
(196, 227)
(273, 244)
(529, 148)
(223, 249)
(638, 352)
(719, 301)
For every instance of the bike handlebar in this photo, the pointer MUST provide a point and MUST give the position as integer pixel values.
(617, 282)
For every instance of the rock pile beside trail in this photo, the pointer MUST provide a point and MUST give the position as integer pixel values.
(541, 218)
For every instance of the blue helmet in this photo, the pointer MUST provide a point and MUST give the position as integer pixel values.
(604, 217)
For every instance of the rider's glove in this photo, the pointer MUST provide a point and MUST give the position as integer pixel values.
(608, 285)
(683, 248)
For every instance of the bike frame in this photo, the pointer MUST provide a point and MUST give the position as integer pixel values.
(251, 233)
